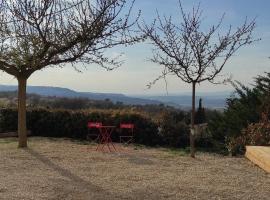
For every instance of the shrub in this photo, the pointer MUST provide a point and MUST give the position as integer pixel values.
(8, 120)
(73, 124)
(173, 129)
(242, 115)
(167, 129)
(256, 134)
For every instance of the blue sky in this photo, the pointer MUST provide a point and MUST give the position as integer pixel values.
(136, 72)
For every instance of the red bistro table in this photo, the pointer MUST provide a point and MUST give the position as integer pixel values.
(105, 137)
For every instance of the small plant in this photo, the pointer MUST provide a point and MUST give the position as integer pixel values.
(256, 134)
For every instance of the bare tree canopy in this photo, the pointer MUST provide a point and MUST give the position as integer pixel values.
(191, 53)
(40, 33)
(35, 34)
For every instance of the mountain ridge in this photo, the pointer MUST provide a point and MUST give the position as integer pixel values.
(66, 92)
(180, 101)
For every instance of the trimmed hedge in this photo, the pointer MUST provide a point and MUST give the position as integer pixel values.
(166, 129)
(73, 124)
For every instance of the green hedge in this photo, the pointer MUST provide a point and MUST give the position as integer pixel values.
(73, 124)
(169, 129)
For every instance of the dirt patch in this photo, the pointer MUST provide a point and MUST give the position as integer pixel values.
(62, 169)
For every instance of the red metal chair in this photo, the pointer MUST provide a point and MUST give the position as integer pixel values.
(127, 133)
(93, 131)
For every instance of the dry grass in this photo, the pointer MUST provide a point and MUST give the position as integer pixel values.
(62, 169)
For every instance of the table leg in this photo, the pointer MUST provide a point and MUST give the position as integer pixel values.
(106, 139)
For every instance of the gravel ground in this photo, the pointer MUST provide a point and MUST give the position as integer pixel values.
(61, 169)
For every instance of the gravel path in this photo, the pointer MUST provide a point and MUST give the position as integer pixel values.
(58, 169)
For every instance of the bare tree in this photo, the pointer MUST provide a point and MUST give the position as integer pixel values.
(35, 34)
(191, 53)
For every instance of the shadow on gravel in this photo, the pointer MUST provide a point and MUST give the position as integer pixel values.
(81, 183)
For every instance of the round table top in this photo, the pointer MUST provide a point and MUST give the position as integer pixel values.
(107, 126)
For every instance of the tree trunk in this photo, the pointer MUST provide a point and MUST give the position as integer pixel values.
(192, 130)
(22, 133)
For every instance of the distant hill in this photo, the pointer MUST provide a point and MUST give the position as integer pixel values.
(210, 100)
(65, 92)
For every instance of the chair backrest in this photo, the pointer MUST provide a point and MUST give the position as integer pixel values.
(94, 124)
(127, 126)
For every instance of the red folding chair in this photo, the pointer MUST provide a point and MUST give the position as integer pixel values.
(126, 133)
(93, 131)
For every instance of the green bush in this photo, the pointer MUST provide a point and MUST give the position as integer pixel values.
(174, 130)
(73, 124)
(8, 120)
(168, 129)
(243, 112)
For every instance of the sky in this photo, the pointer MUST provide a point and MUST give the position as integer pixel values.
(136, 72)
